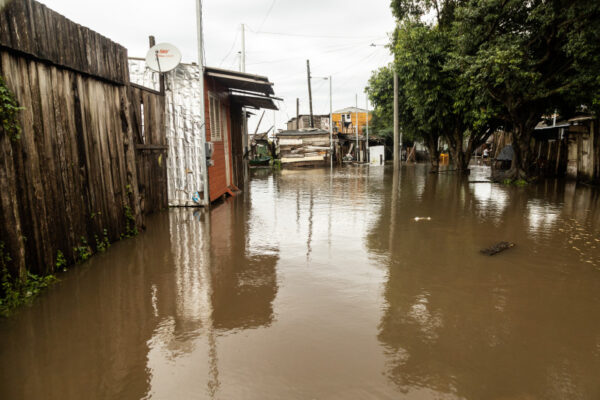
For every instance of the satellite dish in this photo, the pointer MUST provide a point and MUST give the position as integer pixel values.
(163, 57)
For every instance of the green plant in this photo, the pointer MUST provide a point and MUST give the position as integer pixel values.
(102, 245)
(130, 225)
(521, 182)
(9, 110)
(83, 251)
(14, 292)
(61, 261)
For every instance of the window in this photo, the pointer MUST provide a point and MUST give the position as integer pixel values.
(223, 120)
(215, 118)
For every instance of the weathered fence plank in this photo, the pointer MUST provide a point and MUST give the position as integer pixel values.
(73, 173)
(34, 29)
(151, 147)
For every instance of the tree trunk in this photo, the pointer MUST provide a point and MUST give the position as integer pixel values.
(521, 163)
(434, 153)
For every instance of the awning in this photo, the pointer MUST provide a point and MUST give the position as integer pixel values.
(253, 101)
(240, 80)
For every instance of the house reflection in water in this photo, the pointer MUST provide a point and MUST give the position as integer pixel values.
(221, 288)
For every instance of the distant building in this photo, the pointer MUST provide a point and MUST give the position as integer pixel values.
(320, 121)
(303, 148)
(345, 120)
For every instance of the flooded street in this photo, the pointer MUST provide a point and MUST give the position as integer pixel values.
(319, 285)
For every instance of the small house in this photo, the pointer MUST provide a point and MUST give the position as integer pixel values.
(203, 168)
(303, 148)
(346, 120)
(302, 121)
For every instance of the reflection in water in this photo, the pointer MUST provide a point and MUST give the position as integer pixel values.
(461, 325)
(320, 284)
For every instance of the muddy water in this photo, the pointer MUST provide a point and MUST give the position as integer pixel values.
(323, 286)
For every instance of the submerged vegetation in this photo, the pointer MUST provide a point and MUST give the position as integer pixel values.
(16, 292)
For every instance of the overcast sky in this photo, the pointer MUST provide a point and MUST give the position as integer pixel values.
(280, 36)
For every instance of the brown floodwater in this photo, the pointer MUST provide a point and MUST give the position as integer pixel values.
(322, 285)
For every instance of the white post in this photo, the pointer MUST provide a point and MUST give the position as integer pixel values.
(243, 56)
(330, 122)
(203, 158)
(356, 130)
(367, 104)
(397, 154)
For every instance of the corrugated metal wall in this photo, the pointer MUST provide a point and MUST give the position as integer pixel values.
(184, 129)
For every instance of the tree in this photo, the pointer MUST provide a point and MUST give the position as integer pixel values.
(532, 57)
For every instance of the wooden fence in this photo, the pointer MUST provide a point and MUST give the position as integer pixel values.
(148, 115)
(71, 181)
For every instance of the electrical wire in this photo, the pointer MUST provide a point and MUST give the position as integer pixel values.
(267, 16)
(231, 49)
(311, 36)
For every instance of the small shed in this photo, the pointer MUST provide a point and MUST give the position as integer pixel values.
(219, 154)
(584, 148)
(303, 148)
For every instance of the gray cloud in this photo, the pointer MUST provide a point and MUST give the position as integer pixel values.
(334, 35)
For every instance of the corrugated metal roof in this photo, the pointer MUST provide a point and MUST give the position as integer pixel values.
(350, 110)
(241, 80)
(303, 132)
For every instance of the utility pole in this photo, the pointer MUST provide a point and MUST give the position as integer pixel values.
(297, 113)
(243, 55)
(330, 122)
(312, 122)
(356, 129)
(367, 104)
(203, 158)
(396, 152)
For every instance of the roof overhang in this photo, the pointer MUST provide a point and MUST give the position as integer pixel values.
(256, 101)
(240, 80)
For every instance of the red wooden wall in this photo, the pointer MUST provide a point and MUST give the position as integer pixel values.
(217, 174)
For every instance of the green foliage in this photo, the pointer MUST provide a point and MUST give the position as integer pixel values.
(102, 245)
(469, 67)
(521, 182)
(61, 261)
(131, 229)
(9, 111)
(532, 57)
(276, 164)
(83, 251)
(13, 292)
(516, 182)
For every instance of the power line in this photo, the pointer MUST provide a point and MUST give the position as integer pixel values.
(267, 16)
(312, 36)
(231, 49)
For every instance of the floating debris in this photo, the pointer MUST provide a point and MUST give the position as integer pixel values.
(497, 248)
(417, 219)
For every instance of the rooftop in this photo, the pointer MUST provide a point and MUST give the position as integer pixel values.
(303, 132)
(350, 110)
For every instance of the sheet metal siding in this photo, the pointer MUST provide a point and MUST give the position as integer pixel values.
(217, 174)
(183, 127)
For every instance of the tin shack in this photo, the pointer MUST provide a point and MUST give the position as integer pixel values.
(219, 153)
(303, 147)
